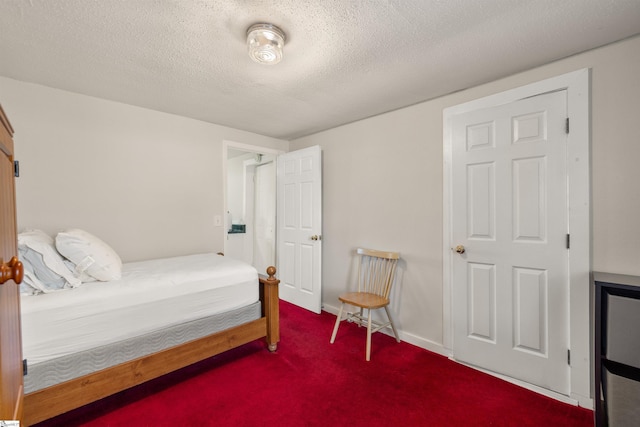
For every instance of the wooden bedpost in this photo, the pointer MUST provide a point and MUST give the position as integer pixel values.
(271, 308)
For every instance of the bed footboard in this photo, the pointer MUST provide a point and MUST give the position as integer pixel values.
(58, 399)
(271, 307)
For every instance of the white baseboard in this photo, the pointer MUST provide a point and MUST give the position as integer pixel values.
(404, 336)
(574, 399)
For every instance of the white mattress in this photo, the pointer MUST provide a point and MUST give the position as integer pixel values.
(151, 295)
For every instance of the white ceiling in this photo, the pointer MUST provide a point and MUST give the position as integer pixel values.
(344, 60)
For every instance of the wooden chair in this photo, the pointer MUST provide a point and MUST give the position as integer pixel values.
(376, 273)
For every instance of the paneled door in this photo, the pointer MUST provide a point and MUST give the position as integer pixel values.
(11, 383)
(509, 231)
(299, 217)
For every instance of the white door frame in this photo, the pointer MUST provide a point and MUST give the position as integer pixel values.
(226, 145)
(578, 169)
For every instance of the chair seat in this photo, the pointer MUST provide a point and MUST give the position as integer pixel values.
(364, 300)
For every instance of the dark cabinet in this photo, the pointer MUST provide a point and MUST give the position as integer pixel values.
(617, 349)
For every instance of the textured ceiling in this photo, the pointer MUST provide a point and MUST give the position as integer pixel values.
(344, 60)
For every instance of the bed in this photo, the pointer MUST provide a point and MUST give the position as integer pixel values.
(85, 339)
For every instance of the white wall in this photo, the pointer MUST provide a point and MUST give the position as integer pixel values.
(148, 183)
(383, 185)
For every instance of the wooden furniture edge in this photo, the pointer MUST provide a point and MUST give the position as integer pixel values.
(6, 135)
(5, 121)
(60, 398)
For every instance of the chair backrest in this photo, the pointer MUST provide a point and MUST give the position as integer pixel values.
(376, 271)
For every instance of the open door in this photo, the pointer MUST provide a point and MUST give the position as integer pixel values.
(11, 382)
(299, 231)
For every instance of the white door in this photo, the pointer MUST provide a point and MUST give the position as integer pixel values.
(264, 249)
(509, 213)
(299, 216)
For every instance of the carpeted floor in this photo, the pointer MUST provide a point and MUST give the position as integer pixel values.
(309, 382)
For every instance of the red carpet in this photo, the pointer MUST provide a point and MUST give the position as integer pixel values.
(309, 382)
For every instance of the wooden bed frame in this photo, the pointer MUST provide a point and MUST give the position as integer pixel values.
(60, 398)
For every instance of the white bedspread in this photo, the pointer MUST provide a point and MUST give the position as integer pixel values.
(151, 295)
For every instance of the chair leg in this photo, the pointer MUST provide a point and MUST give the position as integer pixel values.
(359, 321)
(337, 325)
(386, 308)
(368, 357)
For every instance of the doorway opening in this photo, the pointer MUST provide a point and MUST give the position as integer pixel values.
(250, 204)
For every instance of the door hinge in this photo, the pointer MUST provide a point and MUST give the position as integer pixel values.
(568, 241)
(16, 168)
(568, 357)
(24, 367)
(566, 126)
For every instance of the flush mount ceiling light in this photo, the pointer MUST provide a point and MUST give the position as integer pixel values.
(265, 43)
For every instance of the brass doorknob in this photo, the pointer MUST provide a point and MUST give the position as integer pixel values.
(316, 237)
(460, 249)
(11, 270)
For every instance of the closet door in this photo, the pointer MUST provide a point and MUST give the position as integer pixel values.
(11, 382)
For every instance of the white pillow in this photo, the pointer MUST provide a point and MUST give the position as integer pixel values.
(38, 254)
(90, 254)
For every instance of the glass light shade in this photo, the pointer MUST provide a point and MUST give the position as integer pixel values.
(265, 43)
